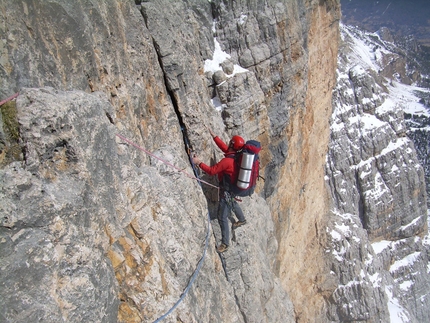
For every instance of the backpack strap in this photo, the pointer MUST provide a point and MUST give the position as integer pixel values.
(227, 180)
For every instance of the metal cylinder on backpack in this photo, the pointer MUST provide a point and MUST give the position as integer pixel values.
(245, 170)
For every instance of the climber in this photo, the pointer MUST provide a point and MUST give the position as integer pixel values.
(224, 169)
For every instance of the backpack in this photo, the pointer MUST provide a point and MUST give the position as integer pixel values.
(246, 169)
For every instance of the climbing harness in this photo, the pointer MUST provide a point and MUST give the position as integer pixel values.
(9, 98)
(200, 263)
(229, 198)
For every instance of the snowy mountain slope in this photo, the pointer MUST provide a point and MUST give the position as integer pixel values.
(379, 233)
(370, 52)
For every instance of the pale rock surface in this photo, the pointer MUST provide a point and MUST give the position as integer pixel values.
(96, 232)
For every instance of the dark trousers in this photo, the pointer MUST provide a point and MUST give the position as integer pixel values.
(227, 204)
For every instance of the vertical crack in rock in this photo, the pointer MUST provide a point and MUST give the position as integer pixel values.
(361, 209)
(175, 102)
(170, 92)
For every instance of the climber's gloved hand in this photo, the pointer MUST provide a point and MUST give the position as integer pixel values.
(196, 161)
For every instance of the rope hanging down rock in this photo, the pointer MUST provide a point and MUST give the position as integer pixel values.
(200, 263)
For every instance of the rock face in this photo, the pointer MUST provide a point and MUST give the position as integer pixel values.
(94, 229)
(419, 132)
(100, 228)
(379, 233)
(54, 264)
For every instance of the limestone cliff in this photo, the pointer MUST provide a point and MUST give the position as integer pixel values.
(93, 229)
(378, 230)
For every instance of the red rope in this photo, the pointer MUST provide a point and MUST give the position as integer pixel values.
(9, 98)
(163, 161)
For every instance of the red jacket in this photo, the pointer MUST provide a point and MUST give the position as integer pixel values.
(224, 166)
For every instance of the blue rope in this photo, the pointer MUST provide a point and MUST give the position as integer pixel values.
(193, 277)
(200, 263)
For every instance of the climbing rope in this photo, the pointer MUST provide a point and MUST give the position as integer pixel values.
(193, 277)
(9, 98)
(166, 162)
(200, 263)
